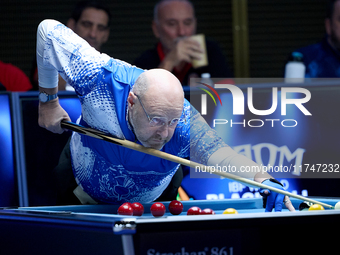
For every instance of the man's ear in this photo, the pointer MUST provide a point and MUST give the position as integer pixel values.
(131, 99)
(328, 26)
(71, 23)
(154, 29)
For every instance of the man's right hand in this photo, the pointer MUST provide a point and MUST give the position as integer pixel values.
(50, 116)
(185, 49)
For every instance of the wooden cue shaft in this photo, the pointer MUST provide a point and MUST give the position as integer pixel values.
(193, 164)
(134, 146)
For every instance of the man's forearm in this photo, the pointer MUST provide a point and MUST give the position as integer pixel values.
(48, 75)
(49, 91)
(242, 166)
(50, 111)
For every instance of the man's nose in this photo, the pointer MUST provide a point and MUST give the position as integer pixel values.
(93, 32)
(181, 30)
(163, 131)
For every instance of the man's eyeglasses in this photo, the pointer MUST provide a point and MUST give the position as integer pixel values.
(161, 121)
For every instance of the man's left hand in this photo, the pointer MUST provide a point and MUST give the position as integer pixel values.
(274, 199)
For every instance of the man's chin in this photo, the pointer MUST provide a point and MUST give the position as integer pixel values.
(156, 146)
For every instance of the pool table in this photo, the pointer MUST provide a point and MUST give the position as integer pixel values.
(97, 229)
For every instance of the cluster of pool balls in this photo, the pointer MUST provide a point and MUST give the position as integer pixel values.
(308, 206)
(158, 209)
(176, 207)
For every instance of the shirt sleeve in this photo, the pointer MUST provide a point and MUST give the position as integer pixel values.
(240, 165)
(208, 148)
(60, 50)
(204, 140)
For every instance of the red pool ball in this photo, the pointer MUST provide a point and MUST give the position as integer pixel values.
(157, 209)
(175, 207)
(207, 211)
(137, 208)
(194, 211)
(125, 209)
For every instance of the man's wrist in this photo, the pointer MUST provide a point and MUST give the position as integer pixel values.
(44, 97)
(261, 177)
(47, 94)
(274, 181)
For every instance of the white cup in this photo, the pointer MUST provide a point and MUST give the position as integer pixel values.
(196, 63)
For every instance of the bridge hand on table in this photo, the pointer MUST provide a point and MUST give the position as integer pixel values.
(270, 198)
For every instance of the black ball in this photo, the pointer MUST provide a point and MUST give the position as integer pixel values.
(305, 205)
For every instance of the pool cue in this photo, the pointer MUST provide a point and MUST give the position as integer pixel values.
(134, 146)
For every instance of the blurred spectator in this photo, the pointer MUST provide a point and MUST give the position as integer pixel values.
(173, 23)
(13, 79)
(322, 60)
(91, 21)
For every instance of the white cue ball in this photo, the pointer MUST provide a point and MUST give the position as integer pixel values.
(337, 205)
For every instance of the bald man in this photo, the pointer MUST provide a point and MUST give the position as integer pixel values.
(173, 23)
(147, 107)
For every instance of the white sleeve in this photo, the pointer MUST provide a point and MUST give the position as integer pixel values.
(227, 159)
(48, 75)
(60, 50)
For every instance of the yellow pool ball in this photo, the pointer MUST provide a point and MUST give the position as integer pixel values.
(230, 211)
(316, 207)
(337, 206)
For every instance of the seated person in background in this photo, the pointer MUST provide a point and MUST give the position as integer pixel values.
(147, 107)
(322, 60)
(91, 21)
(13, 79)
(173, 23)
